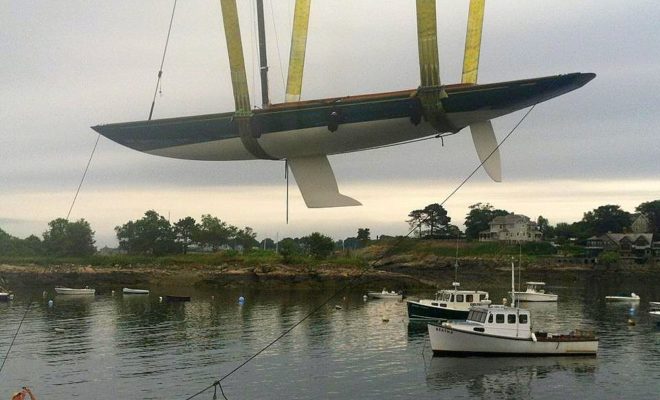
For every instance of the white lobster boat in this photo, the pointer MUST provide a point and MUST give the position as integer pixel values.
(498, 330)
(74, 291)
(534, 292)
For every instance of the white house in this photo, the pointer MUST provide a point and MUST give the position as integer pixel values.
(511, 228)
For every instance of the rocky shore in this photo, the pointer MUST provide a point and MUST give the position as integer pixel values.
(400, 272)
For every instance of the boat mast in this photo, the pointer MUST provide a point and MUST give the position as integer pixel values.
(263, 60)
(513, 284)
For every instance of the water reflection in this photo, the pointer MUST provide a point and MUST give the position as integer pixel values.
(499, 377)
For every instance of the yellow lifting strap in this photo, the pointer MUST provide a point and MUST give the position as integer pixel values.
(473, 41)
(239, 81)
(427, 41)
(236, 61)
(297, 53)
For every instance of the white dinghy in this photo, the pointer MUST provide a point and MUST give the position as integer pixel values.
(72, 291)
(623, 297)
(134, 291)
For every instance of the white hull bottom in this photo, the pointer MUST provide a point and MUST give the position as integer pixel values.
(447, 341)
(533, 297)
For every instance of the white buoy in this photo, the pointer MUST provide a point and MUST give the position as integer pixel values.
(364, 298)
(112, 292)
(160, 298)
(50, 303)
(241, 300)
(44, 294)
(59, 330)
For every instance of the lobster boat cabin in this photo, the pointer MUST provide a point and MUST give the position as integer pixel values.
(448, 304)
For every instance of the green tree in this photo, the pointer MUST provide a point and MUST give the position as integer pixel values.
(363, 236)
(609, 218)
(651, 209)
(184, 230)
(152, 234)
(267, 244)
(433, 217)
(213, 232)
(415, 220)
(542, 225)
(246, 238)
(479, 217)
(318, 245)
(288, 249)
(64, 238)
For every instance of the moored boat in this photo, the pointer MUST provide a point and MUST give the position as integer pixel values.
(654, 308)
(72, 291)
(6, 296)
(448, 304)
(498, 330)
(384, 294)
(134, 291)
(623, 297)
(534, 292)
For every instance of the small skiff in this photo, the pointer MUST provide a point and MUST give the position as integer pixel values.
(623, 297)
(69, 291)
(134, 291)
(535, 292)
(384, 294)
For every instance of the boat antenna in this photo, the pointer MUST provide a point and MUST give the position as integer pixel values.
(519, 263)
(513, 284)
(263, 60)
(458, 234)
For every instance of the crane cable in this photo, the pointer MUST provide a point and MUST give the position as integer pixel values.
(15, 335)
(162, 62)
(354, 279)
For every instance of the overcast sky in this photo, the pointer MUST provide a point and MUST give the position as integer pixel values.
(69, 65)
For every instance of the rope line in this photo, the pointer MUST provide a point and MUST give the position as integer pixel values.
(162, 62)
(15, 335)
(83, 177)
(353, 280)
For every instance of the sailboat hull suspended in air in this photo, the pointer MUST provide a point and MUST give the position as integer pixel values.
(337, 125)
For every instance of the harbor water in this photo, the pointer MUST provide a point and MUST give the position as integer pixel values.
(114, 346)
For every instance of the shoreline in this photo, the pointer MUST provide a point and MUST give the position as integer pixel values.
(396, 273)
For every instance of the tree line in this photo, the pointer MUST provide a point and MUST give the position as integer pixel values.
(433, 222)
(155, 235)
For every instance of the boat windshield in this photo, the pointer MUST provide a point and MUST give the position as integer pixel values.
(477, 316)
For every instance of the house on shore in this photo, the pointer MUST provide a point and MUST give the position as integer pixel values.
(630, 246)
(512, 228)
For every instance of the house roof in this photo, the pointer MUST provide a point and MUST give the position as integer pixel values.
(510, 219)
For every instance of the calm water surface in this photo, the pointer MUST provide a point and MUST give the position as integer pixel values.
(110, 347)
